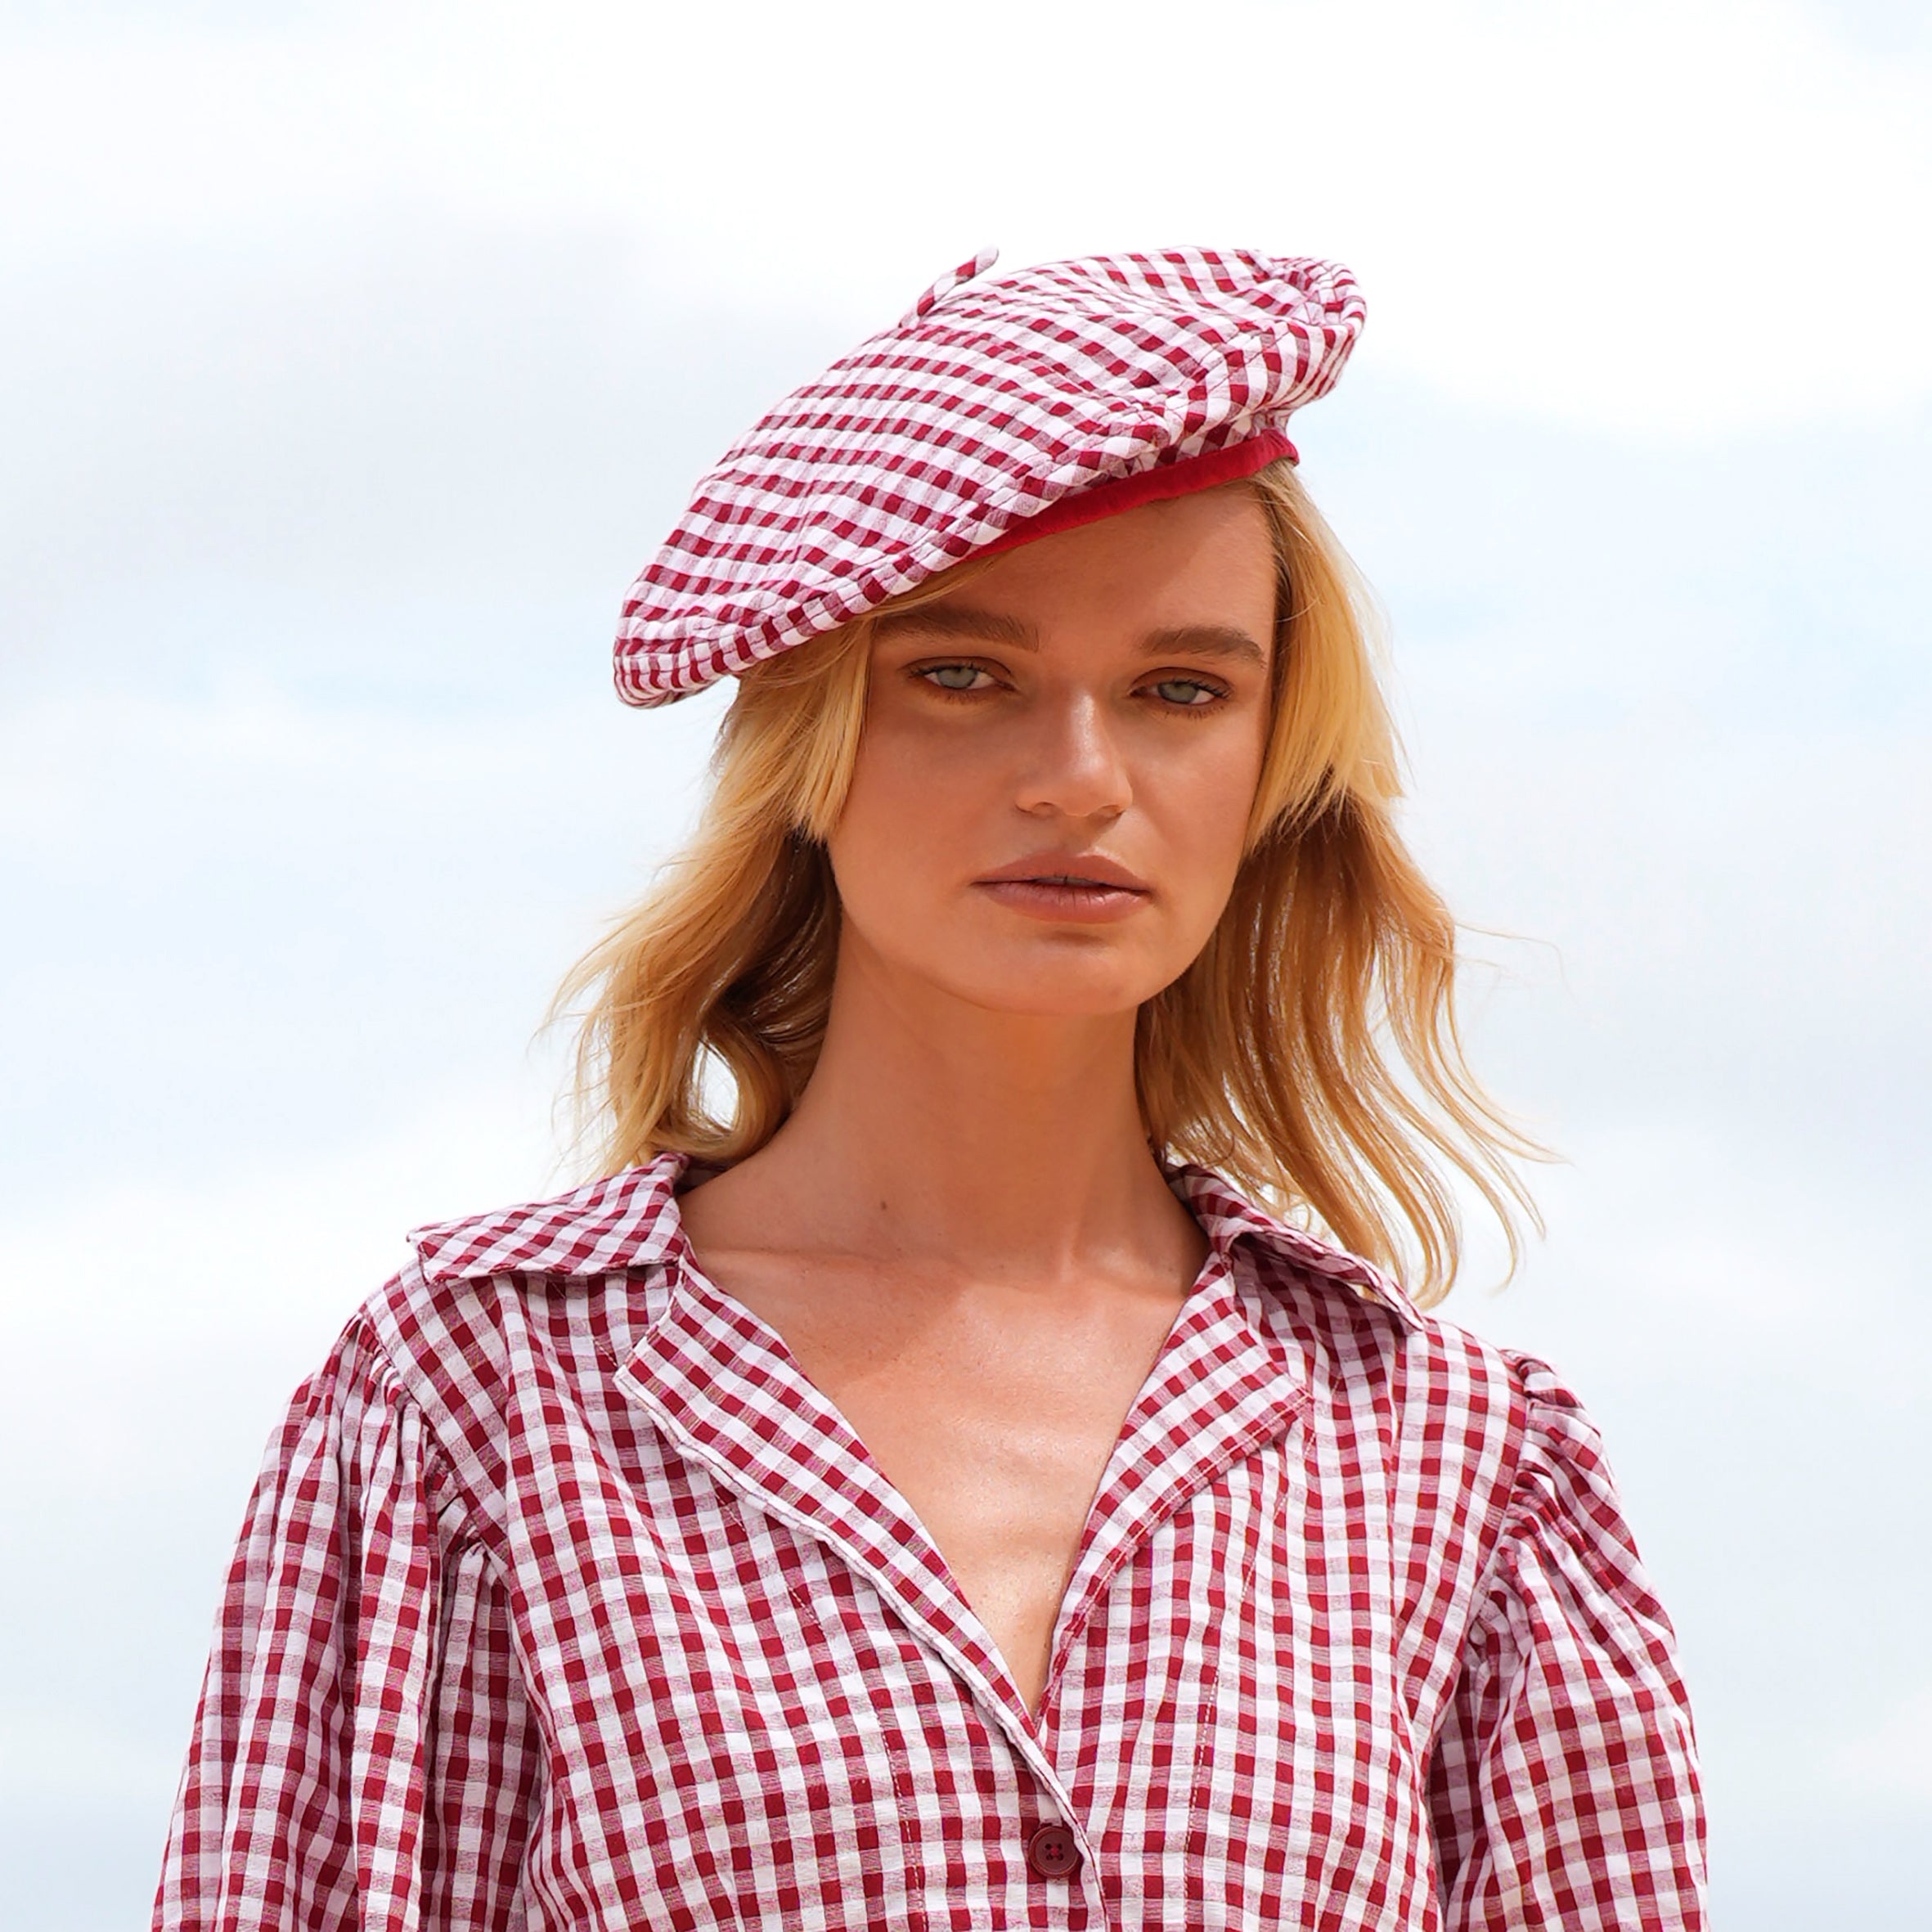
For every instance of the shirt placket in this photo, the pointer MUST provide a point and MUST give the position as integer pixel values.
(1224, 1388)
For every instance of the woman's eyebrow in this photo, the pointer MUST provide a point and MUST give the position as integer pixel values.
(1204, 641)
(957, 620)
(960, 620)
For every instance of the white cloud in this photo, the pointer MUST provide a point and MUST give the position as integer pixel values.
(167, 1323)
(1892, 1763)
(1674, 217)
(82, 1763)
(259, 923)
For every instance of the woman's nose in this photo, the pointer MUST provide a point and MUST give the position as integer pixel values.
(1078, 769)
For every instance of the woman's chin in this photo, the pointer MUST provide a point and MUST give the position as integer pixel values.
(1051, 990)
(1034, 970)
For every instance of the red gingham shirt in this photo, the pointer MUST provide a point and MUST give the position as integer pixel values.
(565, 1601)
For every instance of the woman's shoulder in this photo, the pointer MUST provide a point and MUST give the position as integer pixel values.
(1401, 1397)
(1359, 1332)
(557, 1290)
(620, 1221)
(1373, 1338)
(1367, 1345)
(1468, 1451)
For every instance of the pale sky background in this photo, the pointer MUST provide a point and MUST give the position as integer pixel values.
(352, 358)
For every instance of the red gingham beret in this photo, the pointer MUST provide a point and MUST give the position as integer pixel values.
(996, 411)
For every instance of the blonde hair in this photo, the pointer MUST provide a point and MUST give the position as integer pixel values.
(1311, 1052)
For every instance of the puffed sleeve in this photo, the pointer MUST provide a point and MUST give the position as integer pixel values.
(1564, 1785)
(362, 1754)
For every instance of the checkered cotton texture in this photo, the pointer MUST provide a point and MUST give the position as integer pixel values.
(566, 1601)
(993, 400)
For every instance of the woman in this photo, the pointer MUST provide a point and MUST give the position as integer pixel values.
(922, 1484)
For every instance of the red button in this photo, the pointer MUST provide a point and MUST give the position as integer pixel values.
(1052, 1852)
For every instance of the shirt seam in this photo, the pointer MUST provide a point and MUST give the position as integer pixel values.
(448, 1491)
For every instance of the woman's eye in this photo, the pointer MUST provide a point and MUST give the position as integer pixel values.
(956, 677)
(1185, 690)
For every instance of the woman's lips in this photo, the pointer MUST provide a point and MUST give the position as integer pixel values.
(1083, 894)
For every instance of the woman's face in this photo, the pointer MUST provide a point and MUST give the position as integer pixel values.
(1053, 785)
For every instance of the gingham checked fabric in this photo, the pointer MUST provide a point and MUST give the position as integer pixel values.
(565, 1602)
(991, 401)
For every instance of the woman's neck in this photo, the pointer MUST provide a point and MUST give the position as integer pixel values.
(938, 1132)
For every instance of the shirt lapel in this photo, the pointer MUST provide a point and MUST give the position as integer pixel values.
(1224, 1385)
(724, 1387)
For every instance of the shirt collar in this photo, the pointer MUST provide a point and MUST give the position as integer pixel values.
(625, 1220)
(630, 1221)
(1228, 1218)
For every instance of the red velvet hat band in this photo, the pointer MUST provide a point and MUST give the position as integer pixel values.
(1157, 485)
